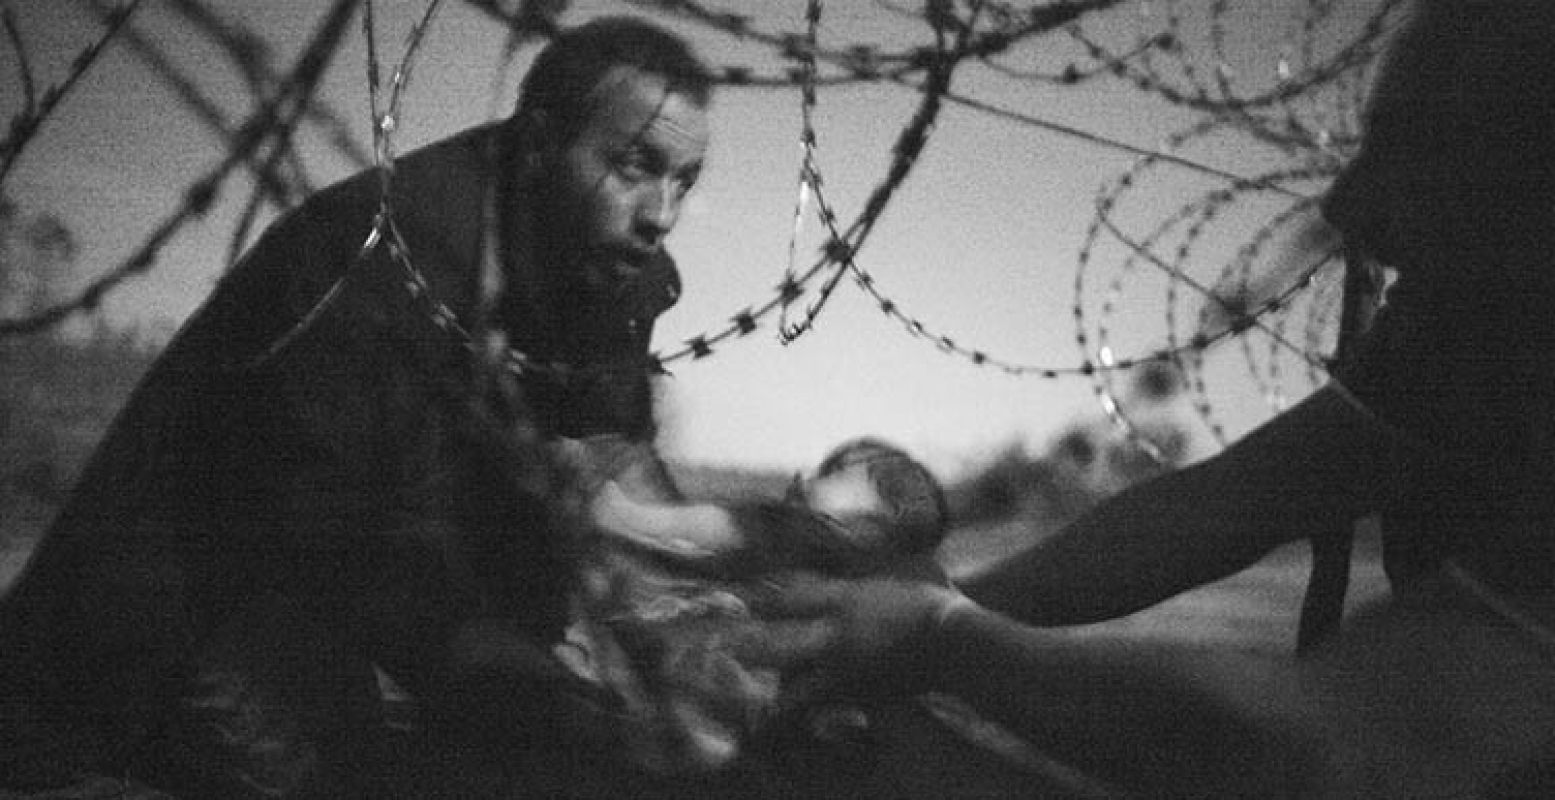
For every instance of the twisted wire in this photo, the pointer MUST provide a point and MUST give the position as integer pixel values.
(1288, 116)
(36, 110)
(284, 109)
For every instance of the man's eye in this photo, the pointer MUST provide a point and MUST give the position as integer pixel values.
(634, 166)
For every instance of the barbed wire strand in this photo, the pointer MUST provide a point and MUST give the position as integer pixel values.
(843, 246)
(284, 109)
(24, 126)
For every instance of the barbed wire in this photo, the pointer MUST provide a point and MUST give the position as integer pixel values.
(271, 185)
(840, 252)
(1194, 218)
(809, 172)
(1320, 151)
(1307, 114)
(37, 109)
(383, 229)
(283, 111)
(914, 326)
(842, 245)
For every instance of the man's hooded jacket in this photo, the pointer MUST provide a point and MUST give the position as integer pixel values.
(370, 465)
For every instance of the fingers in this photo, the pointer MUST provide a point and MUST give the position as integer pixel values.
(808, 687)
(785, 644)
(919, 568)
(569, 452)
(798, 595)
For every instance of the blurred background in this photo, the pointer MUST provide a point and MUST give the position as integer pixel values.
(1074, 240)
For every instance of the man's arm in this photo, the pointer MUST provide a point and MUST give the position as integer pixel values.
(1161, 720)
(1151, 718)
(413, 510)
(1318, 466)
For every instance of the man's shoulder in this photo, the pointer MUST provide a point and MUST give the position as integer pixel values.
(420, 179)
(431, 190)
(303, 256)
(454, 161)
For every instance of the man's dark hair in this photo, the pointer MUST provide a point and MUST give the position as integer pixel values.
(567, 71)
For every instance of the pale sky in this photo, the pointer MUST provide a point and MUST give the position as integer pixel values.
(981, 244)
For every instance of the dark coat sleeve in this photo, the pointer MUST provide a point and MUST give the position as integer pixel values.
(411, 493)
(433, 479)
(360, 470)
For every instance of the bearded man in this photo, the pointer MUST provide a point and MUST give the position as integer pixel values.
(327, 472)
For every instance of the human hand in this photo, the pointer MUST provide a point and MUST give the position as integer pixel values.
(582, 470)
(843, 638)
(816, 620)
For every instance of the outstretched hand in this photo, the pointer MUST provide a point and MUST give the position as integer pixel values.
(838, 637)
(817, 620)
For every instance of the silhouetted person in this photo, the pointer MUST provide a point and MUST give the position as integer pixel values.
(324, 474)
(1442, 421)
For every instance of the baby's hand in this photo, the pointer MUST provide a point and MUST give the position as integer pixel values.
(686, 531)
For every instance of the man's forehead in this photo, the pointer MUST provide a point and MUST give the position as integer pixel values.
(630, 103)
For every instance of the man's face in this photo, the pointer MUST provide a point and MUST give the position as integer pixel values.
(615, 190)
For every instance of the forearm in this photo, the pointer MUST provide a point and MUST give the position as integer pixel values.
(1150, 718)
(1308, 472)
(1138, 548)
(474, 653)
(422, 528)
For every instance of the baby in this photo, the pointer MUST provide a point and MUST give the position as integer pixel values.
(659, 612)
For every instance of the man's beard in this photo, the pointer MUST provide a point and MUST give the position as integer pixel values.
(590, 277)
(601, 282)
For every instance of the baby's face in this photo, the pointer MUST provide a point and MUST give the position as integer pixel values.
(843, 494)
(850, 497)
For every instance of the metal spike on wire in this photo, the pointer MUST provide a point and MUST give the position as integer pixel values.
(809, 173)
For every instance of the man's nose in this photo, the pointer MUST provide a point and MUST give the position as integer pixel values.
(658, 209)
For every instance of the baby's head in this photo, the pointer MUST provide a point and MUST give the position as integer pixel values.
(663, 612)
(883, 498)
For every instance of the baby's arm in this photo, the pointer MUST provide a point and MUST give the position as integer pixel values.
(695, 531)
(742, 539)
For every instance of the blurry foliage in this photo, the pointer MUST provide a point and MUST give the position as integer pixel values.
(1087, 461)
(59, 391)
(37, 252)
(1156, 381)
(56, 401)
